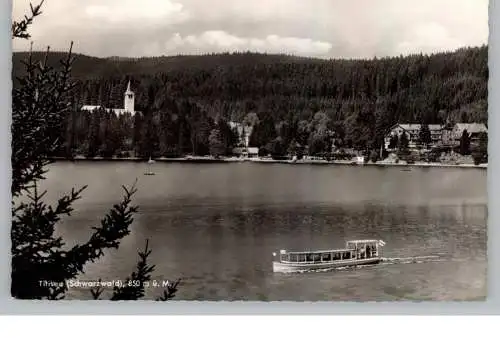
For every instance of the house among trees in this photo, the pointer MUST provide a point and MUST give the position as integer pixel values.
(415, 134)
(432, 134)
(128, 104)
(473, 129)
(246, 152)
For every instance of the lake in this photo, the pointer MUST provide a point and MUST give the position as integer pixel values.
(216, 226)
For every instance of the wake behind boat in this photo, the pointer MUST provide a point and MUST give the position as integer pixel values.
(356, 252)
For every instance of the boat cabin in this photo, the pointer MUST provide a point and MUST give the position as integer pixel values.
(357, 249)
(317, 256)
(366, 248)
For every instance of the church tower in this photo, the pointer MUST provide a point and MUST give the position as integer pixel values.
(129, 100)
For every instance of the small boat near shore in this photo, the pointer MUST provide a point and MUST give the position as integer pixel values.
(150, 172)
(356, 252)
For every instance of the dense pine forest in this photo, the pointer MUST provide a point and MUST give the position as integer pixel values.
(291, 102)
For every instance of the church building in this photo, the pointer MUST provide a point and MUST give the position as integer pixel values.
(128, 104)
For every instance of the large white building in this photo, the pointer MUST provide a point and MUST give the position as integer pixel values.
(440, 134)
(412, 131)
(128, 104)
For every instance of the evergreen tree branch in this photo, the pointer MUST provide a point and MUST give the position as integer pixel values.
(34, 245)
(134, 286)
(96, 291)
(114, 227)
(37, 254)
(170, 292)
(20, 28)
(39, 106)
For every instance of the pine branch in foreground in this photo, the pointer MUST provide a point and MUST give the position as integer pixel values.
(39, 106)
(40, 268)
(134, 286)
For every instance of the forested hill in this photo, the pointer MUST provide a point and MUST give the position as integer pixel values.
(357, 99)
(88, 67)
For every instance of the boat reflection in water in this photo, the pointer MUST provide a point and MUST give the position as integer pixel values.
(356, 252)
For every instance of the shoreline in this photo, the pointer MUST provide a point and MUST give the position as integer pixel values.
(271, 161)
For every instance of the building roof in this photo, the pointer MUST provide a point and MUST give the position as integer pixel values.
(129, 91)
(471, 127)
(90, 107)
(417, 126)
(120, 110)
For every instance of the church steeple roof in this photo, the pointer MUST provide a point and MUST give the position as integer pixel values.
(129, 91)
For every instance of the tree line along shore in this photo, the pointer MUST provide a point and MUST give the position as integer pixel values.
(334, 109)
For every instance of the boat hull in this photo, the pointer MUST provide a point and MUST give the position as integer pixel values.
(301, 267)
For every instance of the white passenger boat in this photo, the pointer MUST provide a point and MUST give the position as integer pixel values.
(357, 252)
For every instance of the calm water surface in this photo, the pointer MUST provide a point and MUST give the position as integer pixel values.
(216, 226)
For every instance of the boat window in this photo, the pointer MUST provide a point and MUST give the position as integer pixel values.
(336, 256)
(316, 257)
(293, 258)
(326, 257)
(302, 258)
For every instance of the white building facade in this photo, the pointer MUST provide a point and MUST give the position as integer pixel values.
(128, 104)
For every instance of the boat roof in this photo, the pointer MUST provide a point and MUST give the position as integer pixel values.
(318, 251)
(363, 241)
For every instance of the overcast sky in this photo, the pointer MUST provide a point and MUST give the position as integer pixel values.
(319, 28)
